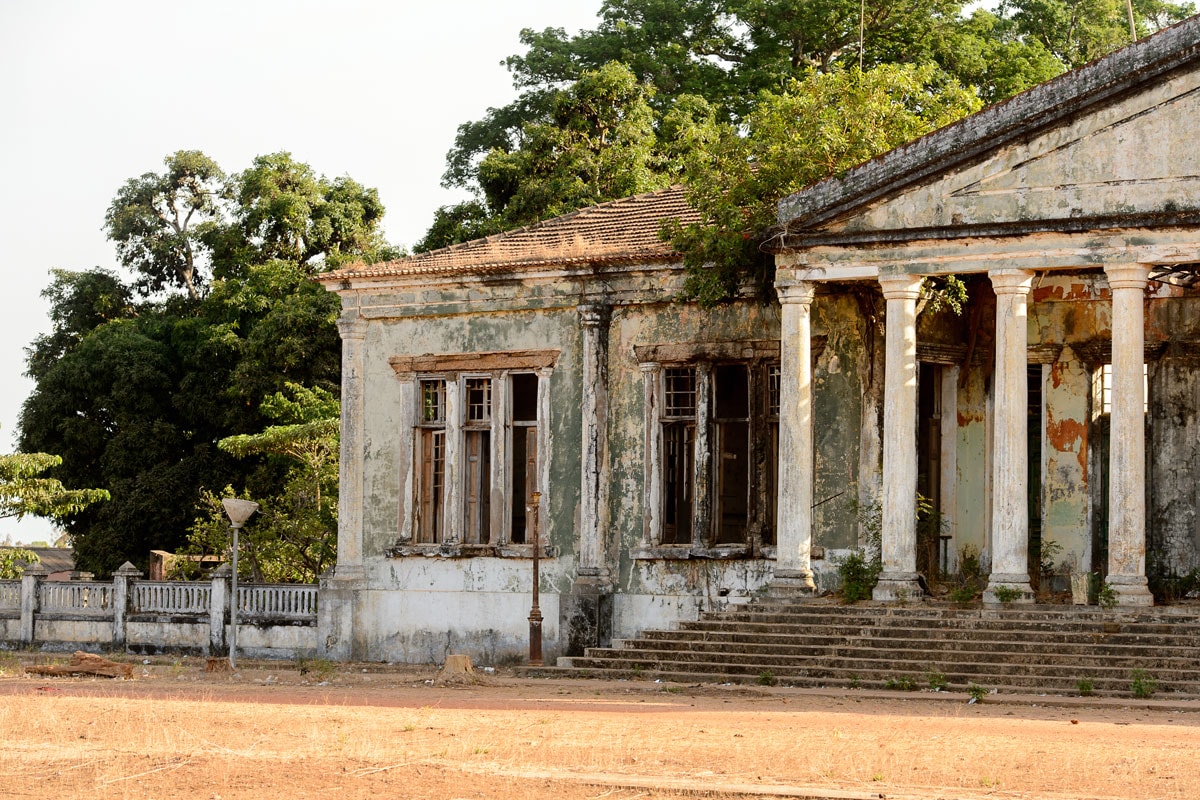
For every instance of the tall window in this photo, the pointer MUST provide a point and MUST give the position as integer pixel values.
(524, 455)
(739, 422)
(679, 453)
(476, 458)
(731, 434)
(431, 461)
(771, 465)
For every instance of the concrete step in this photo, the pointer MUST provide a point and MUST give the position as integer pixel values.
(1040, 649)
(897, 637)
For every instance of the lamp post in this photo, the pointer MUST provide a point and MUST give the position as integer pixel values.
(535, 613)
(238, 512)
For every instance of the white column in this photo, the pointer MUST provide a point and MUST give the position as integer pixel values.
(1127, 437)
(592, 568)
(652, 464)
(350, 477)
(794, 515)
(898, 580)
(1010, 438)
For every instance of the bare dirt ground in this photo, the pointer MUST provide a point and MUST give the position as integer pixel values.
(363, 731)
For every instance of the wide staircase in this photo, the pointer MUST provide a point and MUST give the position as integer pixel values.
(1045, 649)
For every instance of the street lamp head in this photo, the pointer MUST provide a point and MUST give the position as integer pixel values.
(239, 510)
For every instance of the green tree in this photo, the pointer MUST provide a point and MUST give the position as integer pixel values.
(157, 221)
(818, 127)
(13, 561)
(1079, 31)
(598, 145)
(25, 489)
(294, 537)
(281, 210)
(135, 394)
(728, 52)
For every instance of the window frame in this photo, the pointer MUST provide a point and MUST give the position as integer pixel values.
(707, 361)
(476, 498)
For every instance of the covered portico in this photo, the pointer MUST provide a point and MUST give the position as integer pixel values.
(1094, 176)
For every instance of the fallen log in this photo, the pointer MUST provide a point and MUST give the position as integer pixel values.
(85, 664)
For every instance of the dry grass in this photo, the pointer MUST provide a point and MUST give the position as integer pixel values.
(582, 740)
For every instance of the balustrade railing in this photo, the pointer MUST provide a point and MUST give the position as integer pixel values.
(171, 597)
(277, 601)
(10, 595)
(75, 597)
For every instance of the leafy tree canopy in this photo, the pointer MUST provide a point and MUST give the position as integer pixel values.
(13, 561)
(294, 537)
(24, 490)
(136, 384)
(531, 159)
(815, 128)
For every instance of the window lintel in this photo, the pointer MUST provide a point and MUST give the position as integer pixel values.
(453, 363)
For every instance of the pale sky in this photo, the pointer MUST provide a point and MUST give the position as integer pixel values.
(94, 93)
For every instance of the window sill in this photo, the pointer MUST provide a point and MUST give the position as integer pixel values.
(408, 550)
(668, 552)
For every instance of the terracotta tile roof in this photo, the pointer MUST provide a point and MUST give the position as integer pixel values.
(622, 231)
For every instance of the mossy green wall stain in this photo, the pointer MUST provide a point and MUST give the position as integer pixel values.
(837, 420)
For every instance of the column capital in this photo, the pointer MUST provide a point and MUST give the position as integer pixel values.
(649, 367)
(1127, 276)
(800, 292)
(352, 327)
(901, 286)
(593, 315)
(1011, 281)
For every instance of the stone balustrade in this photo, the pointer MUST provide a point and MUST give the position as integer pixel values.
(134, 615)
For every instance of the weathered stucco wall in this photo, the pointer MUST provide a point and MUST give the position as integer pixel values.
(478, 604)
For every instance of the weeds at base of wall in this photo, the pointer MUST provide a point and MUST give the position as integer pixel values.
(766, 678)
(320, 668)
(977, 692)
(937, 681)
(9, 665)
(904, 683)
(858, 573)
(1085, 687)
(1007, 594)
(1106, 596)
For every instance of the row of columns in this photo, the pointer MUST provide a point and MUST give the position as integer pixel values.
(1010, 522)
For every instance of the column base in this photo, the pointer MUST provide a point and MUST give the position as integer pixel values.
(586, 615)
(792, 583)
(898, 587)
(1131, 590)
(1001, 588)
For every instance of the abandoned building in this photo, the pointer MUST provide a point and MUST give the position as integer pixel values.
(545, 385)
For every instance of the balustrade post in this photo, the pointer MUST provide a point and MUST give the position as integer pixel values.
(218, 604)
(31, 581)
(120, 602)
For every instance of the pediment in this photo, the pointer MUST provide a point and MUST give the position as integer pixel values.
(1135, 157)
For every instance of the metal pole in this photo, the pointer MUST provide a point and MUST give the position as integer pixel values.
(233, 602)
(535, 613)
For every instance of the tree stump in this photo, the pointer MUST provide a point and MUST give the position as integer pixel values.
(458, 670)
(85, 664)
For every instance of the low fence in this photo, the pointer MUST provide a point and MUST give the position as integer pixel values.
(139, 616)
